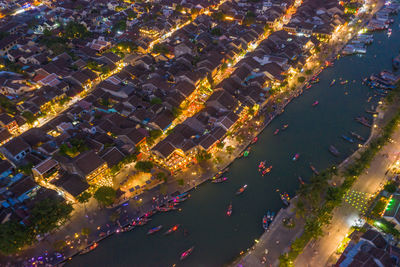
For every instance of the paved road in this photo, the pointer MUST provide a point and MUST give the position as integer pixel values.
(318, 253)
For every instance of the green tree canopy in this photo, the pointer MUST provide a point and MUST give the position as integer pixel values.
(84, 197)
(144, 166)
(105, 195)
(48, 214)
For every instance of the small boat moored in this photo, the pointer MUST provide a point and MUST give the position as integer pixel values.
(276, 132)
(229, 210)
(300, 180)
(348, 139)
(285, 198)
(185, 254)
(315, 103)
(241, 190)
(267, 219)
(356, 135)
(172, 229)
(314, 169)
(219, 180)
(285, 126)
(89, 248)
(334, 151)
(154, 230)
(332, 82)
(255, 139)
(296, 157)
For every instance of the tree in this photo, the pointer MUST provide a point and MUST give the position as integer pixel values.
(120, 26)
(229, 149)
(75, 30)
(390, 187)
(156, 100)
(85, 231)
(13, 236)
(84, 197)
(161, 176)
(30, 118)
(301, 79)
(203, 155)
(105, 195)
(160, 49)
(49, 214)
(144, 166)
(176, 112)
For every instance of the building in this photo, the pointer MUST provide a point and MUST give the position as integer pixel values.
(16, 149)
(93, 168)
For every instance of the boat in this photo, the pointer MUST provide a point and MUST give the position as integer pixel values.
(300, 180)
(363, 121)
(314, 169)
(142, 221)
(285, 126)
(241, 190)
(261, 165)
(344, 82)
(316, 80)
(185, 254)
(332, 82)
(150, 213)
(276, 132)
(128, 228)
(229, 210)
(89, 248)
(267, 170)
(334, 151)
(219, 180)
(356, 135)
(255, 139)
(285, 198)
(172, 229)
(265, 222)
(308, 86)
(177, 201)
(348, 139)
(267, 219)
(154, 230)
(315, 103)
(296, 157)
(247, 152)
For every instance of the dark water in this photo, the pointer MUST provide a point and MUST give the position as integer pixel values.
(218, 238)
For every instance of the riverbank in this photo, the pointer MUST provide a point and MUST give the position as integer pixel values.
(250, 165)
(192, 181)
(265, 250)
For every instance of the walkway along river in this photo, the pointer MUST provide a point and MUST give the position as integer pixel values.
(218, 238)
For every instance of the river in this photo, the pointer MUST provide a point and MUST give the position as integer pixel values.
(218, 239)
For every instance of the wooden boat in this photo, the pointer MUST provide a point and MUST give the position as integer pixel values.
(154, 230)
(219, 180)
(300, 180)
(356, 135)
(185, 254)
(255, 139)
(172, 229)
(334, 151)
(89, 248)
(332, 82)
(296, 157)
(276, 132)
(284, 127)
(241, 190)
(229, 210)
(348, 139)
(314, 169)
(344, 82)
(315, 103)
(285, 198)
